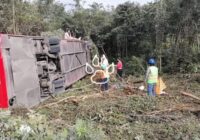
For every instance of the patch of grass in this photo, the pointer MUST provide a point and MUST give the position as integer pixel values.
(142, 104)
(124, 117)
(86, 130)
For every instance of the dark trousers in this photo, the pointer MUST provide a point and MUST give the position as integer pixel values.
(104, 86)
(119, 72)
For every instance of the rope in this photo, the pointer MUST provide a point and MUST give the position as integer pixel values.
(123, 81)
(88, 85)
(93, 82)
(103, 51)
(73, 89)
(98, 83)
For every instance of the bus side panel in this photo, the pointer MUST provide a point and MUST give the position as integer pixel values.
(26, 81)
(3, 88)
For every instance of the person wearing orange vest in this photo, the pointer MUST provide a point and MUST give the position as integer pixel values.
(119, 68)
(151, 77)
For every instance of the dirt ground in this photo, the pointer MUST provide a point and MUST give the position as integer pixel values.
(126, 113)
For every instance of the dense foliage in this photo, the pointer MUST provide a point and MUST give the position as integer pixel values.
(166, 29)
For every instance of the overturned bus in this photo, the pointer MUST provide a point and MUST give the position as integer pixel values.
(32, 68)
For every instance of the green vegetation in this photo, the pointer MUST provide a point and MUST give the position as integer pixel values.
(88, 115)
(36, 126)
(168, 30)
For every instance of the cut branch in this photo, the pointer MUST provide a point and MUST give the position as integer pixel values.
(190, 95)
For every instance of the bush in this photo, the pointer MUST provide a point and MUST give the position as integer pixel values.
(86, 130)
(134, 66)
(35, 126)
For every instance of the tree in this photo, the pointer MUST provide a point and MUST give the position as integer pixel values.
(53, 14)
(6, 25)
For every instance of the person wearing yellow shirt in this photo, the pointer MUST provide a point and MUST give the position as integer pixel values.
(151, 77)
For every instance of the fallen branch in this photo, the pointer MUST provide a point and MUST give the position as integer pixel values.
(55, 103)
(171, 110)
(81, 98)
(175, 108)
(138, 82)
(190, 95)
(161, 111)
(153, 118)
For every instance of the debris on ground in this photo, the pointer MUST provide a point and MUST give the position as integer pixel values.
(120, 113)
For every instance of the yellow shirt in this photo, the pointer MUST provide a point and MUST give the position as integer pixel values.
(152, 75)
